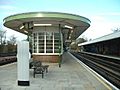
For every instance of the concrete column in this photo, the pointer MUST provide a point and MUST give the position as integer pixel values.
(23, 63)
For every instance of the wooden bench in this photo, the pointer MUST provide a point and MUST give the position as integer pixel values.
(39, 68)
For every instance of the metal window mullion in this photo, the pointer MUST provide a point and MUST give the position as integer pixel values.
(32, 44)
(37, 43)
(61, 43)
(44, 42)
(53, 44)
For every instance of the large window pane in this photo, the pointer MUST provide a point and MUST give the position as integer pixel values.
(57, 43)
(49, 42)
(41, 42)
(35, 42)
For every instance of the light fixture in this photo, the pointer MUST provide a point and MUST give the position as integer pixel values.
(71, 31)
(42, 24)
(68, 27)
(26, 31)
(69, 37)
(22, 27)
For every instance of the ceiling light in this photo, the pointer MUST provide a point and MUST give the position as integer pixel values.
(68, 27)
(42, 24)
(26, 31)
(69, 37)
(71, 31)
(22, 27)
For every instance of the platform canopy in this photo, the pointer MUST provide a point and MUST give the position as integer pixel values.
(70, 25)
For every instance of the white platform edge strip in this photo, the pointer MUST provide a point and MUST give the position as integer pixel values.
(99, 77)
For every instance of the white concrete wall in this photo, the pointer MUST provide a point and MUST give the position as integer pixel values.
(23, 57)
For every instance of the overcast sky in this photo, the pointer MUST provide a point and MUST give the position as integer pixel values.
(104, 14)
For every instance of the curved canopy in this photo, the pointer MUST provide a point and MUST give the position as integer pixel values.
(76, 23)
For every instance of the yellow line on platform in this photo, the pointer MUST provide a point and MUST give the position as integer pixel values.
(92, 72)
(107, 86)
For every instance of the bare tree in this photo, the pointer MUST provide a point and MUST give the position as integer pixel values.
(12, 40)
(116, 29)
(75, 46)
(2, 37)
(81, 40)
(11, 44)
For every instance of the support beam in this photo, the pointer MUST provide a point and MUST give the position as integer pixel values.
(60, 45)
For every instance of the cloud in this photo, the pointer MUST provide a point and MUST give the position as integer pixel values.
(10, 10)
(111, 14)
(7, 7)
(97, 18)
(102, 24)
(5, 2)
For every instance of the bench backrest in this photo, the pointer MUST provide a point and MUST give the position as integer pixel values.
(37, 63)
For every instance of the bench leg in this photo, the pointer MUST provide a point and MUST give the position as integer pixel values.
(46, 70)
(34, 74)
(42, 74)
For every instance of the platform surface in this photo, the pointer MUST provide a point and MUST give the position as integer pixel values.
(71, 76)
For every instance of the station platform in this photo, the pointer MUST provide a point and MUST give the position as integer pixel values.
(71, 76)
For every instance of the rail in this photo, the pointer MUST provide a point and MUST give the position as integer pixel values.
(107, 67)
(7, 60)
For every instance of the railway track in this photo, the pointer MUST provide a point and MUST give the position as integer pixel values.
(106, 67)
(7, 60)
